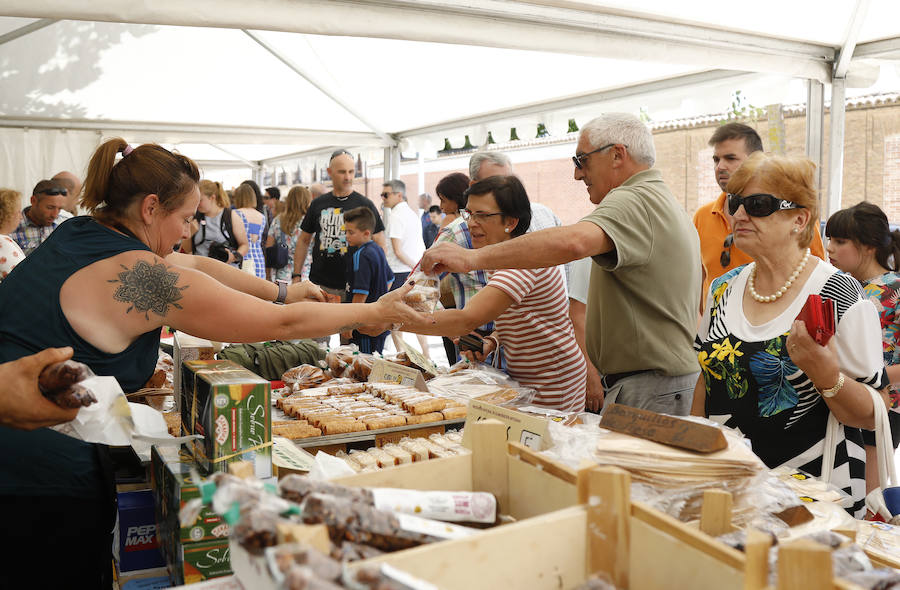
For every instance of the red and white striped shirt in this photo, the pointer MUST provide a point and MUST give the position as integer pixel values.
(538, 339)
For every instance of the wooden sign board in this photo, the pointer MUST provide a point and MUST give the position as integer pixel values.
(387, 372)
(418, 359)
(664, 429)
(531, 431)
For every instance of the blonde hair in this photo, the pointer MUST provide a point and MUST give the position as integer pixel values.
(243, 197)
(296, 205)
(215, 190)
(10, 202)
(790, 178)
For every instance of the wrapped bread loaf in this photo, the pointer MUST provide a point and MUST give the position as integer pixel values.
(60, 384)
(424, 404)
(305, 376)
(361, 523)
(454, 412)
(297, 487)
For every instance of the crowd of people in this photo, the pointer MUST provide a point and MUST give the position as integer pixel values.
(636, 304)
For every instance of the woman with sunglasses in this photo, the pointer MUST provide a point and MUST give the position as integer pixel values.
(529, 308)
(761, 370)
(860, 242)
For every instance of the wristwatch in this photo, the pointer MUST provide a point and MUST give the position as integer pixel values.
(833, 391)
(282, 292)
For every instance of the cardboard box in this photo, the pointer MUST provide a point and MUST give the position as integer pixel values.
(231, 407)
(196, 562)
(188, 348)
(173, 487)
(150, 579)
(137, 535)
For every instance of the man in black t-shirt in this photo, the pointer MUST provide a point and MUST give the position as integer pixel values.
(325, 221)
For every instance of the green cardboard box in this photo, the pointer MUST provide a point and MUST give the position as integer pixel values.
(231, 407)
(173, 486)
(197, 562)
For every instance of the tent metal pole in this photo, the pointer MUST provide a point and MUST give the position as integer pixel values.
(27, 30)
(836, 147)
(815, 122)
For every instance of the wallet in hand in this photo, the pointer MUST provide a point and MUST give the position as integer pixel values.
(818, 314)
(472, 342)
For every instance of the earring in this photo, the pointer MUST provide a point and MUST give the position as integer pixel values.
(506, 230)
(795, 230)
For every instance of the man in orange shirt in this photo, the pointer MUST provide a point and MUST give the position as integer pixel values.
(732, 143)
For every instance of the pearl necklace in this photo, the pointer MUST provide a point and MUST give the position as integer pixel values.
(770, 298)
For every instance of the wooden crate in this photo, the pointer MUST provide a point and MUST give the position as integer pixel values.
(639, 547)
(524, 483)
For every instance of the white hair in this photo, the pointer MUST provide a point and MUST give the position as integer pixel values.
(479, 158)
(622, 128)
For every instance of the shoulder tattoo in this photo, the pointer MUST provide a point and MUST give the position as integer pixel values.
(148, 287)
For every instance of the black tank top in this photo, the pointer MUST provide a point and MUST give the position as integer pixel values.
(44, 462)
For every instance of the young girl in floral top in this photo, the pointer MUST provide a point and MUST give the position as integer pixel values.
(861, 243)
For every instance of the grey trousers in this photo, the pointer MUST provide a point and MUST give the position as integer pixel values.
(654, 391)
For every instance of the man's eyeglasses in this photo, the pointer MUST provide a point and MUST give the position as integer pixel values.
(580, 158)
(759, 204)
(386, 195)
(725, 257)
(479, 217)
(54, 192)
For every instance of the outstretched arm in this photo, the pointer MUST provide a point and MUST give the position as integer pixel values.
(548, 247)
(22, 405)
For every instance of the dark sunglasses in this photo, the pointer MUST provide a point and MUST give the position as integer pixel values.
(385, 195)
(54, 191)
(760, 204)
(725, 257)
(580, 158)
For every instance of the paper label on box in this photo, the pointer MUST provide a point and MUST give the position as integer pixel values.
(287, 455)
(530, 431)
(446, 506)
(387, 372)
(418, 359)
(434, 528)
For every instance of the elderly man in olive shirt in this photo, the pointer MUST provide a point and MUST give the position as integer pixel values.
(645, 277)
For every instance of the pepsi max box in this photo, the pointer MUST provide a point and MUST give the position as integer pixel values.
(138, 539)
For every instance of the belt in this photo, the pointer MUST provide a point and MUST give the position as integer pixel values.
(613, 378)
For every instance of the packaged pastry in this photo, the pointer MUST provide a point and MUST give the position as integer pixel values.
(436, 451)
(362, 523)
(424, 418)
(300, 577)
(283, 557)
(425, 405)
(296, 488)
(339, 359)
(341, 426)
(347, 389)
(256, 529)
(349, 551)
(361, 366)
(414, 447)
(350, 461)
(367, 461)
(389, 421)
(425, 295)
(305, 376)
(454, 412)
(384, 458)
(60, 384)
(402, 455)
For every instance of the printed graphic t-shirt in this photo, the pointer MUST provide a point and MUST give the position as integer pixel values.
(884, 293)
(325, 220)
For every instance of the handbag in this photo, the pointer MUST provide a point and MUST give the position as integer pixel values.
(887, 473)
(277, 254)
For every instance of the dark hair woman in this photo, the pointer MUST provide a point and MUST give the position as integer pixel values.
(451, 190)
(860, 242)
(530, 308)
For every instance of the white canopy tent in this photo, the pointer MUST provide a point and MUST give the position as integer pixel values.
(249, 83)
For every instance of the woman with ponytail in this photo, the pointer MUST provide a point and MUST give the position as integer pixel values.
(105, 284)
(861, 243)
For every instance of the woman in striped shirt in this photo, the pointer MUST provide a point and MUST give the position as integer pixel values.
(529, 307)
